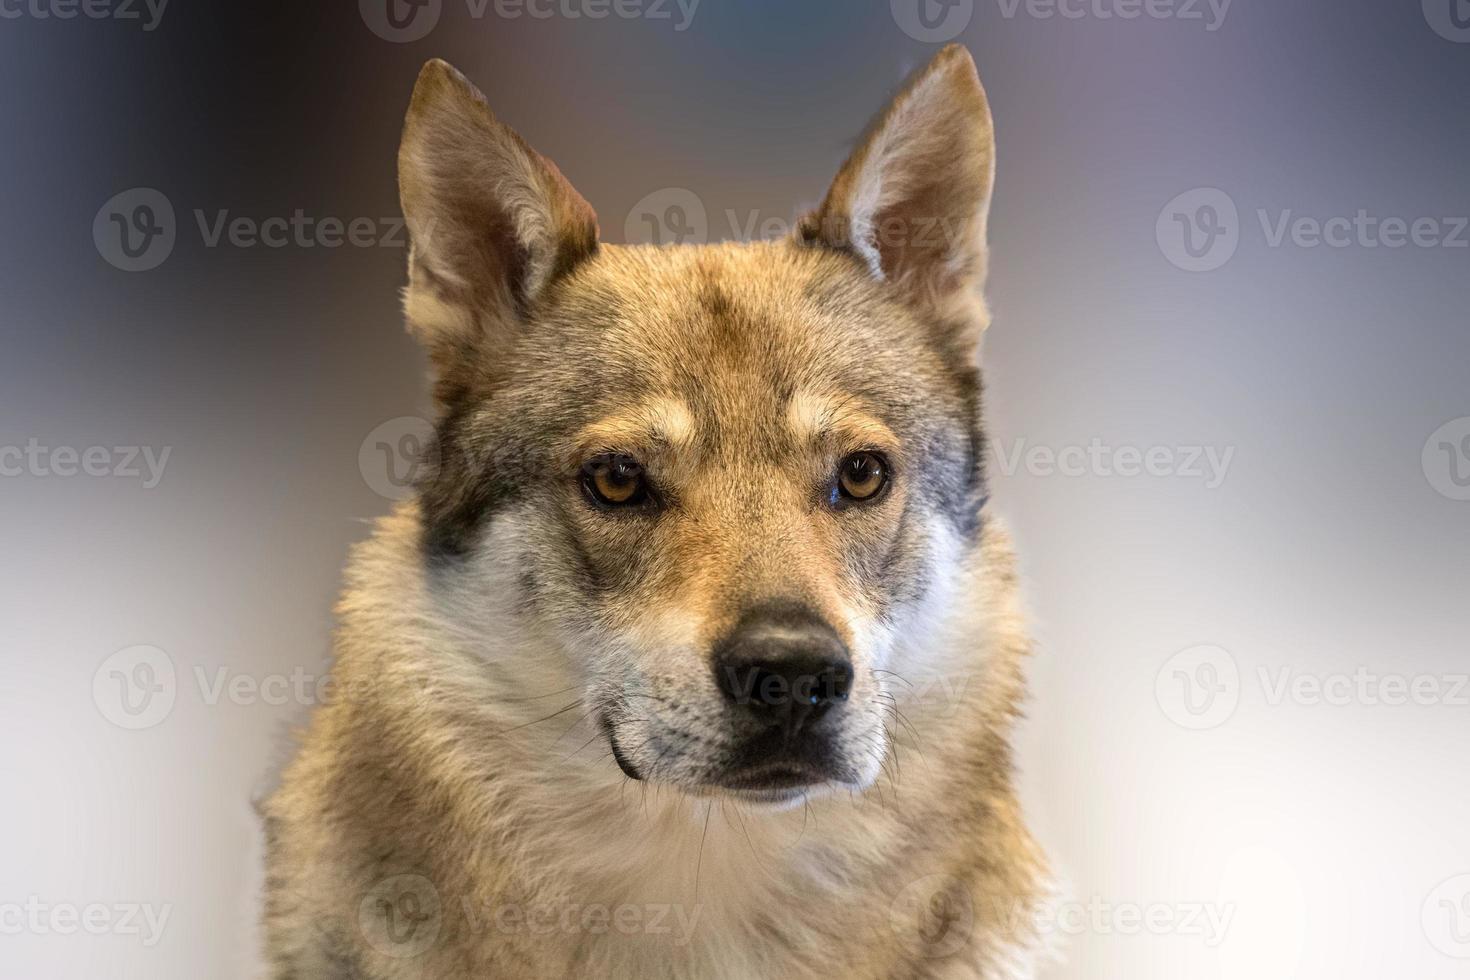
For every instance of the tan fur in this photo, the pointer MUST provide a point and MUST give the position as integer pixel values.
(465, 773)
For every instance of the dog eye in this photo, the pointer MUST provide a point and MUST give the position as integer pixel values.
(861, 477)
(615, 481)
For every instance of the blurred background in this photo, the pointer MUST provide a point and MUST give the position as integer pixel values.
(1228, 386)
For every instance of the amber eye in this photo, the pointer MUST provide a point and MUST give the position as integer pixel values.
(615, 481)
(861, 477)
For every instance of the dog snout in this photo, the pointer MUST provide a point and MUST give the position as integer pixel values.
(784, 667)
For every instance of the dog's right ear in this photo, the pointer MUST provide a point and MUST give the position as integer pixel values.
(492, 222)
(912, 201)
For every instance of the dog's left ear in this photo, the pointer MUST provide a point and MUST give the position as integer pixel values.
(911, 202)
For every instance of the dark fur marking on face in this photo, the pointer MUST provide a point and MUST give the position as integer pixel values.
(964, 501)
(593, 578)
(458, 492)
(901, 572)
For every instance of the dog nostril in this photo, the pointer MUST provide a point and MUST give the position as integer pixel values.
(775, 685)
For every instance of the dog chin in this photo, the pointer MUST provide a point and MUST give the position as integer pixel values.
(780, 789)
(780, 799)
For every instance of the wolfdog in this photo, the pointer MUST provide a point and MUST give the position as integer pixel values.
(696, 652)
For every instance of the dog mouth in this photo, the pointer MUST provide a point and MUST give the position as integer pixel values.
(771, 782)
(628, 768)
(764, 769)
(773, 777)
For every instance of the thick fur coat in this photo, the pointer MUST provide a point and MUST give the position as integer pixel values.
(528, 768)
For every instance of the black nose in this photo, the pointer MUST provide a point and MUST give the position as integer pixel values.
(785, 666)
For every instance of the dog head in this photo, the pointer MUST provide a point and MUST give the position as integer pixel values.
(726, 478)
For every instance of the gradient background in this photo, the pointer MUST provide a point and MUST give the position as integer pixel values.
(1329, 547)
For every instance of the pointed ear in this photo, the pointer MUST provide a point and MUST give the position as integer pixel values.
(911, 202)
(493, 223)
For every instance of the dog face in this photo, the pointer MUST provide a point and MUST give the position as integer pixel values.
(727, 477)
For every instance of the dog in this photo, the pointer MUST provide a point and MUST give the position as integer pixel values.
(696, 652)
